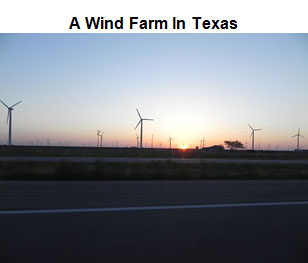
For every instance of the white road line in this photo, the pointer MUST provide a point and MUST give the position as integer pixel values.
(146, 208)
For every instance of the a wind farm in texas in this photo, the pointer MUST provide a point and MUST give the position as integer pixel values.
(206, 159)
(153, 97)
(139, 139)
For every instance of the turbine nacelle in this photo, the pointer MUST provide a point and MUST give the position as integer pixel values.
(253, 130)
(298, 134)
(141, 119)
(10, 108)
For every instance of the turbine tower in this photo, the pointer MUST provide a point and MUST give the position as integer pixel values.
(141, 126)
(170, 140)
(9, 119)
(253, 136)
(298, 135)
(101, 136)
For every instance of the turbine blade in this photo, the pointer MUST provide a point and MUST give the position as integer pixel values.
(294, 136)
(302, 136)
(138, 124)
(138, 113)
(250, 126)
(16, 104)
(148, 119)
(251, 134)
(4, 104)
(258, 129)
(8, 116)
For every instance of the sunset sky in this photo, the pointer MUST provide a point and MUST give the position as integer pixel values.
(192, 85)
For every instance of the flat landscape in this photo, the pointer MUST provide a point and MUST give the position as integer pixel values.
(81, 163)
(118, 152)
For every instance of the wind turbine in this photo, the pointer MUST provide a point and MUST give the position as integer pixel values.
(253, 136)
(202, 143)
(98, 135)
(137, 139)
(298, 135)
(170, 140)
(152, 142)
(141, 126)
(9, 119)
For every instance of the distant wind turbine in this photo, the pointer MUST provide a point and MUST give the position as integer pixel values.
(137, 139)
(9, 119)
(298, 135)
(141, 126)
(202, 143)
(253, 136)
(152, 142)
(170, 140)
(98, 132)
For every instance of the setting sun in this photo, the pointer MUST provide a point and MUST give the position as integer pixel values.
(183, 147)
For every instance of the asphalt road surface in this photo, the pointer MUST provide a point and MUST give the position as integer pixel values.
(154, 221)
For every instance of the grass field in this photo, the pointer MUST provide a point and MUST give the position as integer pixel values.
(147, 171)
(147, 153)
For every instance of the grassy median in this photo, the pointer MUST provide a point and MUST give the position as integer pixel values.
(148, 171)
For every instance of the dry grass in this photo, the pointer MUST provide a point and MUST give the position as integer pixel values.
(148, 171)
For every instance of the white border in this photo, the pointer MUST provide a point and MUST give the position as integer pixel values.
(33, 16)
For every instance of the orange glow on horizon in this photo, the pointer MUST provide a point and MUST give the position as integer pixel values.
(183, 147)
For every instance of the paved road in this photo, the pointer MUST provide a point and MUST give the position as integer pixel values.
(223, 234)
(145, 160)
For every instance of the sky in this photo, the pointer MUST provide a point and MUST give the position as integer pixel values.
(192, 85)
